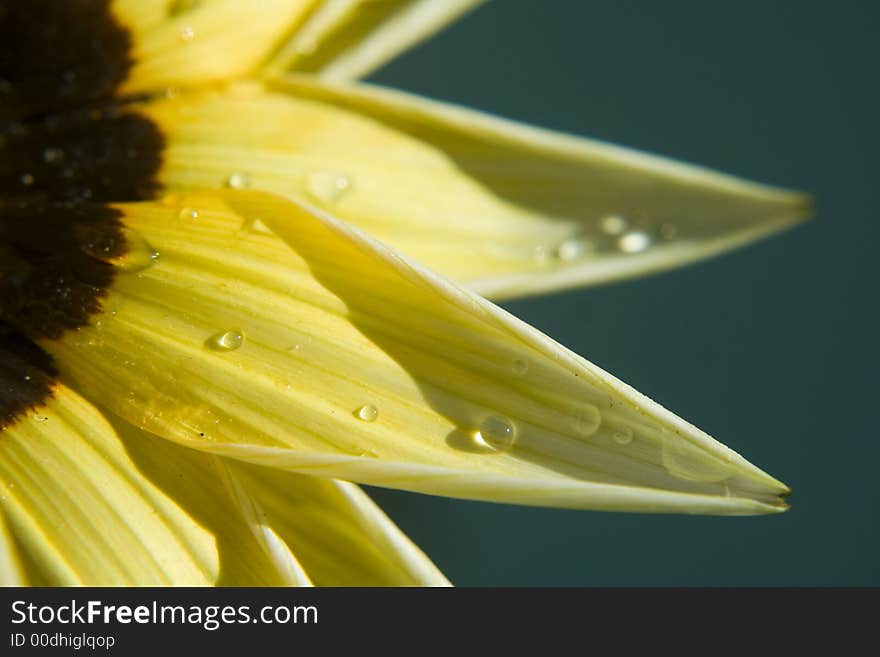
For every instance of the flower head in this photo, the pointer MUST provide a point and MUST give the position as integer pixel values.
(232, 280)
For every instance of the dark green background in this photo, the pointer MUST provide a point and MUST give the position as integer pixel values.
(771, 349)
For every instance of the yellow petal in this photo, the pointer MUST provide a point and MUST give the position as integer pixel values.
(506, 209)
(337, 533)
(312, 530)
(186, 42)
(346, 39)
(11, 571)
(316, 349)
(87, 510)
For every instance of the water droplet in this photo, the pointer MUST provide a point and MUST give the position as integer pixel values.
(225, 341)
(520, 366)
(51, 155)
(585, 419)
(188, 213)
(27, 179)
(496, 432)
(623, 436)
(132, 253)
(573, 248)
(687, 461)
(238, 180)
(327, 186)
(367, 413)
(40, 418)
(634, 242)
(187, 33)
(613, 224)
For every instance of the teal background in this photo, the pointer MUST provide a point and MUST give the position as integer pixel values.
(771, 349)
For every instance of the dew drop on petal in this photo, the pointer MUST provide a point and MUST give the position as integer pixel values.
(327, 186)
(238, 180)
(613, 224)
(367, 413)
(496, 432)
(187, 33)
(225, 341)
(103, 244)
(188, 213)
(573, 248)
(585, 419)
(622, 436)
(40, 418)
(634, 242)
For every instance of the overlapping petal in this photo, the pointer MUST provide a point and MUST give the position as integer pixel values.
(504, 208)
(346, 39)
(278, 335)
(189, 42)
(96, 503)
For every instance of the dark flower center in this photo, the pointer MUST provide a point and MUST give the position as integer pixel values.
(69, 145)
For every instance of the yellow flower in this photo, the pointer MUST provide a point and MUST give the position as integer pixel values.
(207, 319)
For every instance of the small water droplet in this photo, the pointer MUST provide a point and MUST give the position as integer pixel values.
(225, 341)
(327, 186)
(496, 432)
(187, 33)
(52, 155)
(623, 436)
(613, 224)
(634, 242)
(238, 180)
(27, 179)
(520, 366)
(40, 418)
(367, 413)
(585, 419)
(188, 213)
(573, 248)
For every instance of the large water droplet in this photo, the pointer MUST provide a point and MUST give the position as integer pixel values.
(634, 242)
(187, 33)
(496, 432)
(585, 419)
(225, 341)
(327, 186)
(238, 180)
(613, 224)
(367, 413)
(689, 462)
